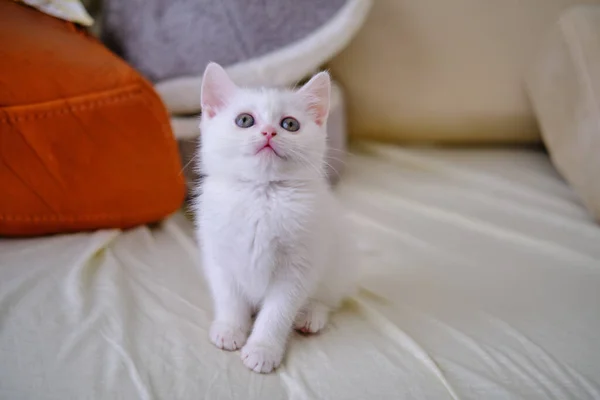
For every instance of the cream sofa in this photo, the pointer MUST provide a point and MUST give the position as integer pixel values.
(446, 70)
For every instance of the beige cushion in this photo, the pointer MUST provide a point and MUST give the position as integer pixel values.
(445, 70)
(564, 85)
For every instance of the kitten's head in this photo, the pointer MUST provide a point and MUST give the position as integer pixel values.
(263, 134)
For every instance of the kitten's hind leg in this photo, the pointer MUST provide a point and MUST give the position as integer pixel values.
(312, 317)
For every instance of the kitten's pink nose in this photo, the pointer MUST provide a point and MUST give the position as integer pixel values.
(269, 131)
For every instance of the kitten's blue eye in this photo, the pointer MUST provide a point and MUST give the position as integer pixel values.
(244, 120)
(290, 124)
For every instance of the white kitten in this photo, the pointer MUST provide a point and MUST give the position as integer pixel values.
(271, 233)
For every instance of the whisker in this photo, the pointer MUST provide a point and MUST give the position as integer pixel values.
(343, 152)
(337, 173)
(307, 162)
(334, 149)
(327, 156)
(321, 171)
(188, 163)
(342, 161)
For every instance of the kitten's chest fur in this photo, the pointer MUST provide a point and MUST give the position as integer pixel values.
(256, 228)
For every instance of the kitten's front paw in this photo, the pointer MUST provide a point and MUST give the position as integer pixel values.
(261, 358)
(227, 336)
(312, 318)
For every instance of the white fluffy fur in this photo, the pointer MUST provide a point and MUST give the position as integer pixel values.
(271, 233)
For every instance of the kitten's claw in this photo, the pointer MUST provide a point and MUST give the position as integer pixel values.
(227, 336)
(312, 318)
(261, 358)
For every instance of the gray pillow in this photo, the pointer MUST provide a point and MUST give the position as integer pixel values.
(170, 38)
(272, 43)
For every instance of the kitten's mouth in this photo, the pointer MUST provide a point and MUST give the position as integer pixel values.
(269, 148)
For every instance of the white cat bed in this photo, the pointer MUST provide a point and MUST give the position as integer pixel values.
(282, 67)
(187, 133)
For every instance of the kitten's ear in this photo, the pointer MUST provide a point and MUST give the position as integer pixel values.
(316, 93)
(217, 89)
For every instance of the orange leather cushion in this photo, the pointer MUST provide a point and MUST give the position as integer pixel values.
(85, 142)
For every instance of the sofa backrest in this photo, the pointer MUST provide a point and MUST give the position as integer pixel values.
(445, 70)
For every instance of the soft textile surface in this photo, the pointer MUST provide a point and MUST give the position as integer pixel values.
(444, 70)
(285, 63)
(85, 142)
(564, 85)
(70, 10)
(482, 277)
(168, 39)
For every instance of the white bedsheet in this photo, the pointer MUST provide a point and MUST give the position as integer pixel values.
(482, 281)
